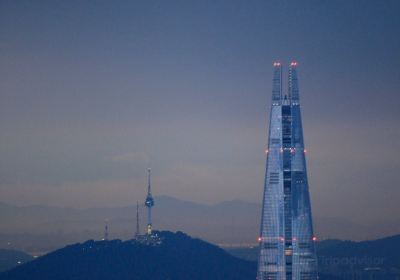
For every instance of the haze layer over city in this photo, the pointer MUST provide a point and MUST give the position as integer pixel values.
(92, 93)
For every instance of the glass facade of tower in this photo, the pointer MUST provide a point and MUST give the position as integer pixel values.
(287, 249)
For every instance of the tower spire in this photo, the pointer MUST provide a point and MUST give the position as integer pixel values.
(149, 181)
(105, 231)
(293, 84)
(277, 84)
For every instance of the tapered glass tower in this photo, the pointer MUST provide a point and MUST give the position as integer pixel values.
(287, 249)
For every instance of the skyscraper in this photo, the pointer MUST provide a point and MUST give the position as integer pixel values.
(287, 249)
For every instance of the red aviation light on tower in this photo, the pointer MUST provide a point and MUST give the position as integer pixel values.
(293, 64)
(259, 239)
(277, 64)
(314, 238)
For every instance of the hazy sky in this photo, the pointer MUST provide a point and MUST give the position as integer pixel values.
(94, 92)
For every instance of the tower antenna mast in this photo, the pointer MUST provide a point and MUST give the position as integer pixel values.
(137, 234)
(106, 231)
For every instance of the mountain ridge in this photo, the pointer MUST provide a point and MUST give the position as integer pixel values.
(179, 256)
(229, 222)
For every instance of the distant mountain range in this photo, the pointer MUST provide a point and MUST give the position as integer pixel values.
(179, 257)
(44, 228)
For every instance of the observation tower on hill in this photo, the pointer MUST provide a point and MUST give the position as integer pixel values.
(149, 203)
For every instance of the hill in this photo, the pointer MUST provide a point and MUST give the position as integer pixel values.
(342, 260)
(177, 257)
(11, 258)
(182, 257)
(375, 258)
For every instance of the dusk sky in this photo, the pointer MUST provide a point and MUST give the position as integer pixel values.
(92, 93)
